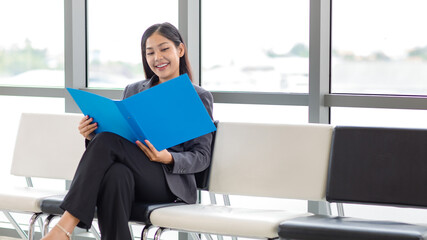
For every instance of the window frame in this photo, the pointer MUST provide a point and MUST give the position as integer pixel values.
(319, 98)
(319, 95)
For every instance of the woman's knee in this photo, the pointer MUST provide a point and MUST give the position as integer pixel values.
(119, 175)
(105, 137)
(105, 142)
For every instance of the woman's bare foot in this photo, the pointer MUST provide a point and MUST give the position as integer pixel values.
(66, 224)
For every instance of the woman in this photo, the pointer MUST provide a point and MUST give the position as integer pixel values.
(113, 172)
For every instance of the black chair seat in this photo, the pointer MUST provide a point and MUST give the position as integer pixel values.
(140, 211)
(50, 205)
(346, 228)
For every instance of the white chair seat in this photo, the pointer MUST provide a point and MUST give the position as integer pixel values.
(24, 199)
(222, 220)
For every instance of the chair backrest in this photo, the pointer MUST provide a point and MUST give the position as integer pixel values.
(378, 166)
(48, 146)
(271, 160)
(202, 178)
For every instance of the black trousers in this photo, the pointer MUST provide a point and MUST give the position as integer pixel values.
(112, 174)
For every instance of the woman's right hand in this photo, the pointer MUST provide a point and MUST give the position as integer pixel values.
(86, 127)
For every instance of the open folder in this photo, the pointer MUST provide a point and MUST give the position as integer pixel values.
(167, 114)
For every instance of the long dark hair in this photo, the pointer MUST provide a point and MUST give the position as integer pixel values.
(170, 32)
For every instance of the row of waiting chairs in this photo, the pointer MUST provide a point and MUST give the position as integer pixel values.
(247, 159)
(315, 162)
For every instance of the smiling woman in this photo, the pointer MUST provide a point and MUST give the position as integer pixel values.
(114, 172)
(161, 56)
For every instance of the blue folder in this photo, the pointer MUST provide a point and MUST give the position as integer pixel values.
(167, 114)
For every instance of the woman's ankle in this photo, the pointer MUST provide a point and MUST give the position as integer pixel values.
(63, 229)
(56, 234)
(68, 221)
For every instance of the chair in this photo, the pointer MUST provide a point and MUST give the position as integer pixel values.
(140, 213)
(376, 166)
(41, 151)
(261, 160)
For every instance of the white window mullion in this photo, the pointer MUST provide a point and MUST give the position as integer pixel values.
(189, 26)
(75, 49)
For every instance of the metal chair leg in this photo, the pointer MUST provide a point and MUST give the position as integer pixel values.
(31, 226)
(40, 223)
(158, 233)
(212, 198)
(95, 233)
(208, 236)
(46, 224)
(195, 236)
(144, 233)
(18, 229)
(340, 209)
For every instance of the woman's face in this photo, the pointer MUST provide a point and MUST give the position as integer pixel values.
(163, 56)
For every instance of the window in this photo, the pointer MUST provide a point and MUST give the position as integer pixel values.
(114, 38)
(379, 47)
(32, 43)
(260, 113)
(255, 45)
(379, 117)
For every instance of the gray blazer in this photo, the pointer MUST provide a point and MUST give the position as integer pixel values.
(189, 157)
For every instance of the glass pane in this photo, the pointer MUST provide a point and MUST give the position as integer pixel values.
(262, 48)
(114, 38)
(32, 43)
(260, 113)
(379, 117)
(379, 49)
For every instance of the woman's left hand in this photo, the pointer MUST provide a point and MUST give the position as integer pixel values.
(162, 157)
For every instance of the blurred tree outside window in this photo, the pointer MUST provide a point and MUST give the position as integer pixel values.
(32, 48)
